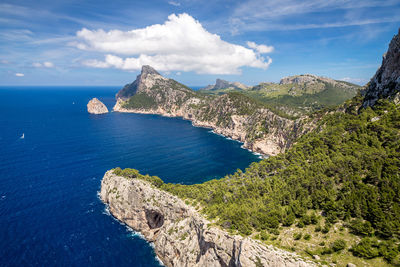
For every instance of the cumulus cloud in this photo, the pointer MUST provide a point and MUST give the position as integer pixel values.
(262, 49)
(46, 64)
(19, 74)
(180, 44)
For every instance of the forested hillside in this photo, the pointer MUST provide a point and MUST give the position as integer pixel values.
(344, 174)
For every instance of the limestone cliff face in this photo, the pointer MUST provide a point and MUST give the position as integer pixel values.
(95, 106)
(181, 236)
(232, 115)
(386, 81)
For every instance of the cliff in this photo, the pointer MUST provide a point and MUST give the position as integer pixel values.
(95, 106)
(233, 114)
(181, 236)
(386, 81)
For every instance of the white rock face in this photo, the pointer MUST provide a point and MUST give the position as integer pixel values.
(181, 236)
(386, 81)
(95, 106)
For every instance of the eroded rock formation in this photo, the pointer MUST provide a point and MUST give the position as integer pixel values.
(95, 106)
(386, 81)
(181, 236)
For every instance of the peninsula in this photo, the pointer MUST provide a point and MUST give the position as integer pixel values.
(332, 196)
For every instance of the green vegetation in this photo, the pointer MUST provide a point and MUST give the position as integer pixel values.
(296, 99)
(141, 101)
(345, 173)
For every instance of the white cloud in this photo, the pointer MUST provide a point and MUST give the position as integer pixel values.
(180, 44)
(174, 3)
(178, 73)
(360, 81)
(262, 49)
(46, 64)
(255, 15)
(19, 74)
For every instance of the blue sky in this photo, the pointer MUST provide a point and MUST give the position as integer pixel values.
(105, 42)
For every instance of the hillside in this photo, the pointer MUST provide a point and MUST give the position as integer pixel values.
(233, 114)
(297, 95)
(334, 196)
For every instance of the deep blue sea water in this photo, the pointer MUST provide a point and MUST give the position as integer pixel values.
(50, 214)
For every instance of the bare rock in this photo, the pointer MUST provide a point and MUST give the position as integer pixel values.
(222, 84)
(95, 106)
(181, 236)
(351, 265)
(386, 81)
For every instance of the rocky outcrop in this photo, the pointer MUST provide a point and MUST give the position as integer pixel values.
(310, 79)
(222, 84)
(181, 236)
(95, 106)
(386, 81)
(147, 74)
(232, 115)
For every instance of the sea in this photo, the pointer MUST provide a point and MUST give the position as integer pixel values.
(53, 155)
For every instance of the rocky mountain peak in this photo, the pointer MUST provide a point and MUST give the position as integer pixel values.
(146, 69)
(300, 79)
(145, 79)
(223, 84)
(220, 84)
(386, 81)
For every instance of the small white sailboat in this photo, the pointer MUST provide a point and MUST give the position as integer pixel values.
(23, 136)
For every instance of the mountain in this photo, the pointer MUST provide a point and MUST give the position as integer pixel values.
(232, 114)
(332, 197)
(224, 85)
(386, 81)
(296, 95)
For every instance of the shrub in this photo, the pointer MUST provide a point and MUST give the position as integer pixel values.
(359, 227)
(289, 219)
(307, 237)
(338, 245)
(366, 248)
(264, 236)
(326, 228)
(297, 236)
(300, 224)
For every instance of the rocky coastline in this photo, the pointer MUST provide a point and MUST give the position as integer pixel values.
(281, 135)
(181, 236)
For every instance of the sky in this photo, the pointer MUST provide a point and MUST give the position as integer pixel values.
(96, 42)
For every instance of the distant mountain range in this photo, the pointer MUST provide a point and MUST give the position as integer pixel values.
(294, 95)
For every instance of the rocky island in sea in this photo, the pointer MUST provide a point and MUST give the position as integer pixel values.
(95, 106)
(323, 181)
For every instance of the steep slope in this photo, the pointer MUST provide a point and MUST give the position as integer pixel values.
(233, 115)
(386, 81)
(180, 235)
